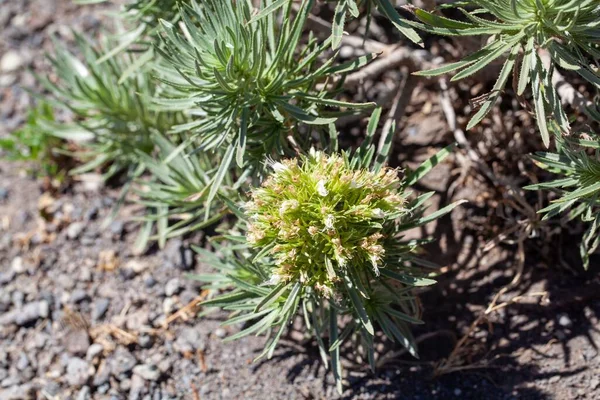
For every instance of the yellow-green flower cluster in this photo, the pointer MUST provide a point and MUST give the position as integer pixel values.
(318, 216)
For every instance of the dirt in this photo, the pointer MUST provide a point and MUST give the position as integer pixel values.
(84, 317)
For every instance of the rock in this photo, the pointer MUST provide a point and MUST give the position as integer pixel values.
(74, 230)
(565, 321)
(78, 296)
(172, 287)
(3, 374)
(188, 340)
(136, 266)
(11, 61)
(18, 298)
(177, 255)
(116, 228)
(26, 315)
(146, 371)
(78, 372)
(145, 341)
(122, 362)
(100, 308)
(137, 387)
(6, 277)
(4, 194)
(220, 333)
(169, 306)
(149, 281)
(136, 320)
(17, 265)
(84, 393)
(102, 374)
(22, 362)
(94, 350)
(21, 392)
(77, 342)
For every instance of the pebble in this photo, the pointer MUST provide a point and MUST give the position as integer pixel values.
(21, 392)
(27, 314)
(78, 372)
(74, 230)
(11, 61)
(84, 393)
(122, 362)
(565, 321)
(172, 287)
(116, 228)
(78, 296)
(4, 194)
(100, 308)
(77, 342)
(136, 266)
(220, 333)
(17, 265)
(145, 341)
(146, 371)
(94, 350)
(22, 362)
(169, 306)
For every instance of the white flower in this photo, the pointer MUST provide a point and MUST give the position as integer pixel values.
(275, 279)
(329, 221)
(321, 189)
(278, 167)
(378, 213)
(287, 205)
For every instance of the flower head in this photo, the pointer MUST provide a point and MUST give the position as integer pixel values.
(319, 216)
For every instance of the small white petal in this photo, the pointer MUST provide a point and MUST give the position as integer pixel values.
(321, 189)
(278, 167)
(378, 213)
(329, 221)
(275, 279)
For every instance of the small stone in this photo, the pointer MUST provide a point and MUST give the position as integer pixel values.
(84, 393)
(78, 372)
(100, 308)
(594, 383)
(18, 266)
(102, 374)
(94, 350)
(554, 379)
(145, 341)
(21, 392)
(26, 315)
(346, 52)
(220, 333)
(136, 266)
(149, 281)
(74, 230)
(148, 372)
(122, 362)
(116, 228)
(77, 342)
(169, 306)
(4, 194)
(565, 321)
(172, 287)
(78, 296)
(11, 61)
(457, 392)
(22, 362)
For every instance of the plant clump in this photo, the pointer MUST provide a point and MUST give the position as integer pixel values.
(318, 216)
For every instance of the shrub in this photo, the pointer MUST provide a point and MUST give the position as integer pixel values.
(246, 83)
(324, 238)
(566, 29)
